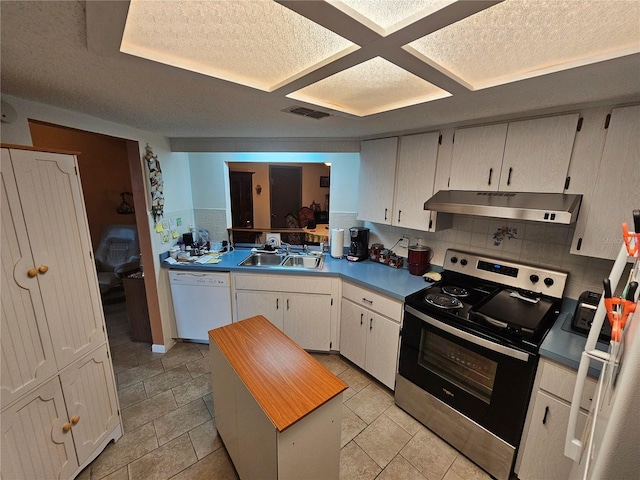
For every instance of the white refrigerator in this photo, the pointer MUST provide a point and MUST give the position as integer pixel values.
(609, 445)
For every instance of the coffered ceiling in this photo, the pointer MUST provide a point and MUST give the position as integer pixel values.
(227, 69)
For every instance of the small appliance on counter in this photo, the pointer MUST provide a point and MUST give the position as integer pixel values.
(583, 316)
(359, 246)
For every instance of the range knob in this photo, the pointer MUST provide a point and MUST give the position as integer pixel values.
(463, 262)
(454, 259)
(548, 281)
(534, 278)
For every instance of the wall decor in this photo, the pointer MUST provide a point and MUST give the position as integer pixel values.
(157, 184)
(504, 232)
(324, 181)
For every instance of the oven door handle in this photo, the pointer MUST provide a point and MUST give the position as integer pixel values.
(456, 332)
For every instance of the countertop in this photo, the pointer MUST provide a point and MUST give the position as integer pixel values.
(561, 344)
(286, 381)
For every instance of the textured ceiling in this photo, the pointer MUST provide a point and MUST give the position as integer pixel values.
(48, 57)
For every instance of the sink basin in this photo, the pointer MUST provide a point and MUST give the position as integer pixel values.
(303, 261)
(262, 260)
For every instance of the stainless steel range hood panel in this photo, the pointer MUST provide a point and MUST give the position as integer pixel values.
(538, 207)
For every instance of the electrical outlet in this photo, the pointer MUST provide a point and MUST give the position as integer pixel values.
(405, 241)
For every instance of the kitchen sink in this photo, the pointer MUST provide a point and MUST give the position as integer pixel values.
(262, 260)
(286, 261)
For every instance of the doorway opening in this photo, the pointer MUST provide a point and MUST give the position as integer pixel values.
(286, 193)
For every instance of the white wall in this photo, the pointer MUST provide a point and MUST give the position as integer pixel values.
(175, 169)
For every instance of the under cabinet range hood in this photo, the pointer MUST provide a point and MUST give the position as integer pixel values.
(538, 207)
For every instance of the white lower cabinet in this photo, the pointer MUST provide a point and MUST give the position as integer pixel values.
(63, 424)
(369, 338)
(541, 455)
(302, 308)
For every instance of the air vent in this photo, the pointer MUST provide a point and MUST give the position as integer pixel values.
(307, 112)
(496, 194)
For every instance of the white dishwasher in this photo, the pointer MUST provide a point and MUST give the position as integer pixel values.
(201, 302)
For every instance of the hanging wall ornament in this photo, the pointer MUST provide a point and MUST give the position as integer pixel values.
(155, 177)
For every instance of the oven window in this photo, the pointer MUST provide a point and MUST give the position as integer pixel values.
(468, 370)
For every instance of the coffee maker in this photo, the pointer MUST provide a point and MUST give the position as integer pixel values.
(359, 246)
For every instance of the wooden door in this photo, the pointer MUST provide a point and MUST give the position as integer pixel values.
(477, 157)
(53, 207)
(537, 154)
(377, 180)
(353, 332)
(27, 352)
(285, 193)
(415, 177)
(34, 444)
(241, 190)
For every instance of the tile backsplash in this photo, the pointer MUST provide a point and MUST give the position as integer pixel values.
(540, 244)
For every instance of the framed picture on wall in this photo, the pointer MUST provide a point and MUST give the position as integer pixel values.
(324, 182)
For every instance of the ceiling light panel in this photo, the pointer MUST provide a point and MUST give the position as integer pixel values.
(257, 43)
(389, 15)
(520, 39)
(371, 87)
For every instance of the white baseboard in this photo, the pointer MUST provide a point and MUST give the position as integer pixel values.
(158, 348)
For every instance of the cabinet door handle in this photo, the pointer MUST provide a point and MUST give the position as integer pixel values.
(370, 323)
(66, 427)
(490, 174)
(399, 215)
(287, 304)
(361, 318)
(546, 412)
(370, 302)
(43, 269)
(75, 419)
(32, 272)
(277, 304)
(385, 213)
(509, 177)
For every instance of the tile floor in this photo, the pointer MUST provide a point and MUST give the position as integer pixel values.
(169, 424)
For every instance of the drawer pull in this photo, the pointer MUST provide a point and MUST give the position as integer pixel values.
(370, 302)
(546, 412)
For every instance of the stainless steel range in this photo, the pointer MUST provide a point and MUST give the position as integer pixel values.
(469, 352)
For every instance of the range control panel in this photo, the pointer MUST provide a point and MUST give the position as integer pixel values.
(523, 276)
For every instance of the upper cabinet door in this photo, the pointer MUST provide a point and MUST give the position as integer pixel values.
(53, 208)
(537, 154)
(415, 175)
(377, 180)
(27, 353)
(615, 196)
(477, 157)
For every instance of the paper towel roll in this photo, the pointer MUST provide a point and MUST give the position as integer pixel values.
(337, 242)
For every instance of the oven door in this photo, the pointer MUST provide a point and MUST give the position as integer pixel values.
(487, 382)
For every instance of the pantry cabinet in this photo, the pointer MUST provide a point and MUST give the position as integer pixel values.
(542, 447)
(370, 332)
(523, 156)
(58, 394)
(301, 307)
(615, 190)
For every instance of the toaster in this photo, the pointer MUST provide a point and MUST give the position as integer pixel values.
(585, 311)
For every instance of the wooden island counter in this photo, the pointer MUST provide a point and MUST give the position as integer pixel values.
(277, 409)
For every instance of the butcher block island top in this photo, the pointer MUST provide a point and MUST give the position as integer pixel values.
(285, 381)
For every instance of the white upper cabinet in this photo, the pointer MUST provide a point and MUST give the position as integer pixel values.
(477, 157)
(415, 174)
(537, 154)
(616, 192)
(377, 176)
(524, 156)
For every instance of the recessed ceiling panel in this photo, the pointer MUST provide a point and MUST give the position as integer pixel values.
(257, 43)
(371, 87)
(520, 39)
(388, 14)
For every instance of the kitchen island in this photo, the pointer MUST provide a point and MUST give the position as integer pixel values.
(277, 409)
